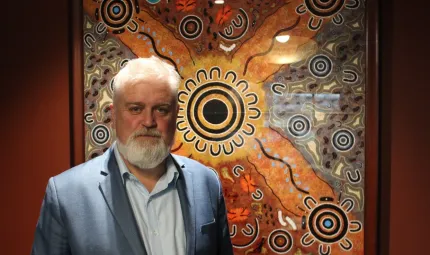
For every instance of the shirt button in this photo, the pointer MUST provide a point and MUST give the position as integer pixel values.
(155, 233)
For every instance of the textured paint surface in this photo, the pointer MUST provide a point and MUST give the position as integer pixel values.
(282, 124)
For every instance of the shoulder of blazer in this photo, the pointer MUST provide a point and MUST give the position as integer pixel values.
(84, 174)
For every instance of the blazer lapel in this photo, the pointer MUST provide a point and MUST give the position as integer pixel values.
(186, 195)
(116, 198)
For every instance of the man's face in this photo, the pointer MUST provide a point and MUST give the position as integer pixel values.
(144, 114)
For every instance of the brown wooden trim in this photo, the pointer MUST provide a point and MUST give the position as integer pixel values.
(386, 39)
(77, 138)
(372, 131)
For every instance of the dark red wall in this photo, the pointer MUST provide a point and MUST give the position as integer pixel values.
(35, 120)
(406, 96)
(35, 114)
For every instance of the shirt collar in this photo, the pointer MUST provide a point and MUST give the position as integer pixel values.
(171, 172)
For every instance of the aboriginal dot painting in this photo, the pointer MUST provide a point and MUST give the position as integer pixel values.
(272, 99)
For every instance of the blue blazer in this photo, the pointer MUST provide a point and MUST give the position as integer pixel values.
(86, 211)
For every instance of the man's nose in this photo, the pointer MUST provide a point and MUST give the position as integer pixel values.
(148, 119)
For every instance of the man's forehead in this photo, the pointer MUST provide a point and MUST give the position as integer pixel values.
(145, 91)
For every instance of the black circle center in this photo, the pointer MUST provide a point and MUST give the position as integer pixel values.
(215, 111)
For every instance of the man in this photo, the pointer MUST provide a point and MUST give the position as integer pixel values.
(136, 198)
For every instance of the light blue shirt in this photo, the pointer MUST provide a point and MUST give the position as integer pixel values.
(158, 213)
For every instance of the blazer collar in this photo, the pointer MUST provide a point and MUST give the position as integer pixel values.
(185, 188)
(116, 198)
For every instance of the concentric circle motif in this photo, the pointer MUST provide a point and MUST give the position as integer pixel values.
(100, 134)
(216, 111)
(280, 241)
(343, 140)
(328, 223)
(191, 27)
(324, 8)
(320, 66)
(116, 13)
(299, 125)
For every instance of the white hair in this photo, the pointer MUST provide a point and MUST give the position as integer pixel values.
(144, 69)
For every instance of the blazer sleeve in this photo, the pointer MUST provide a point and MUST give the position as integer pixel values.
(50, 237)
(224, 247)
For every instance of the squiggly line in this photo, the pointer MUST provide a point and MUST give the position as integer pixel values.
(332, 190)
(254, 34)
(271, 44)
(255, 167)
(290, 170)
(158, 53)
(176, 149)
(189, 52)
(270, 75)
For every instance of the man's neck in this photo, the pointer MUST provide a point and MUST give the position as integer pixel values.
(148, 177)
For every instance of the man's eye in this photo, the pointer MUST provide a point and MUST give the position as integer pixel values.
(135, 109)
(163, 110)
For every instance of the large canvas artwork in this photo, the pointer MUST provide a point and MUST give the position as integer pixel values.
(272, 99)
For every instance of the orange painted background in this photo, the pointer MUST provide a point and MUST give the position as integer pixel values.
(281, 123)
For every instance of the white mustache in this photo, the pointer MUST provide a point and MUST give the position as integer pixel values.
(146, 132)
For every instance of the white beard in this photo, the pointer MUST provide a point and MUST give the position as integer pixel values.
(144, 154)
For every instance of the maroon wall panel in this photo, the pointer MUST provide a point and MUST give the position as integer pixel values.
(405, 44)
(35, 114)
